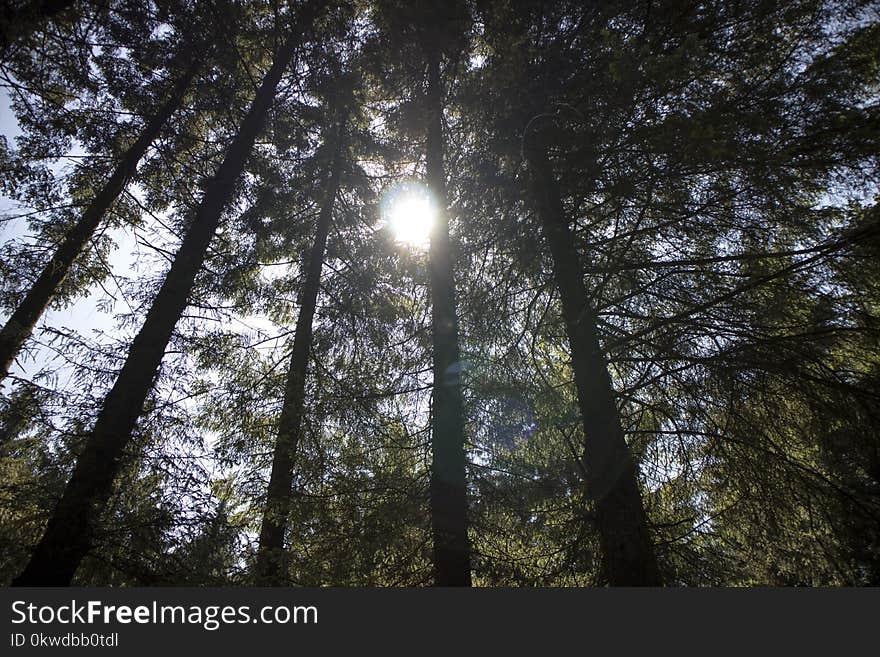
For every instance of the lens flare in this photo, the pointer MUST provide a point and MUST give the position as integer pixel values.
(409, 214)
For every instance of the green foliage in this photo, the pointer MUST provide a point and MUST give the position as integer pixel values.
(719, 164)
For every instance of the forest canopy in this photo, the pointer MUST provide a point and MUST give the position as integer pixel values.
(473, 293)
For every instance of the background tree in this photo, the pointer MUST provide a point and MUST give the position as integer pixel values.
(67, 537)
(710, 174)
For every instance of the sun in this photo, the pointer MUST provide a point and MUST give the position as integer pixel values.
(409, 214)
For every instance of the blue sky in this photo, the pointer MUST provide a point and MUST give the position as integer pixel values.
(83, 316)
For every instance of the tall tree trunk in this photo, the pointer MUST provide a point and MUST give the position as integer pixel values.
(69, 531)
(627, 551)
(20, 324)
(271, 566)
(448, 480)
(19, 21)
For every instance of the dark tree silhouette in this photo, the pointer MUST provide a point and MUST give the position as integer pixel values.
(20, 324)
(271, 563)
(627, 551)
(68, 533)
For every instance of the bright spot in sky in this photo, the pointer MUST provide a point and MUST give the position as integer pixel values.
(477, 61)
(409, 212)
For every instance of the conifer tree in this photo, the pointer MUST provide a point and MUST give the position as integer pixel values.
(68, 534)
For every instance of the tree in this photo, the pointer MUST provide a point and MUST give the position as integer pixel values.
(639, 347)
(20, 324)
(67, 536)
(611, 478)
(448, 475)
(270, 565)
(21, 18)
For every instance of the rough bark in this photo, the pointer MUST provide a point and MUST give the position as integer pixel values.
(448, 497)
(627, 551)
(271, 565)
(68, 535)
(20, 324)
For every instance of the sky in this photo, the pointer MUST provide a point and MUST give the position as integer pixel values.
(91, 315)
(83, 316)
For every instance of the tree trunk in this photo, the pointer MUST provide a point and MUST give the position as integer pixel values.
(20, 324)
(448, 499)
(271, 566)
(627, 551)
(69, 531)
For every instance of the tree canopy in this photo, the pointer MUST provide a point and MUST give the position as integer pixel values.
(490, 293)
